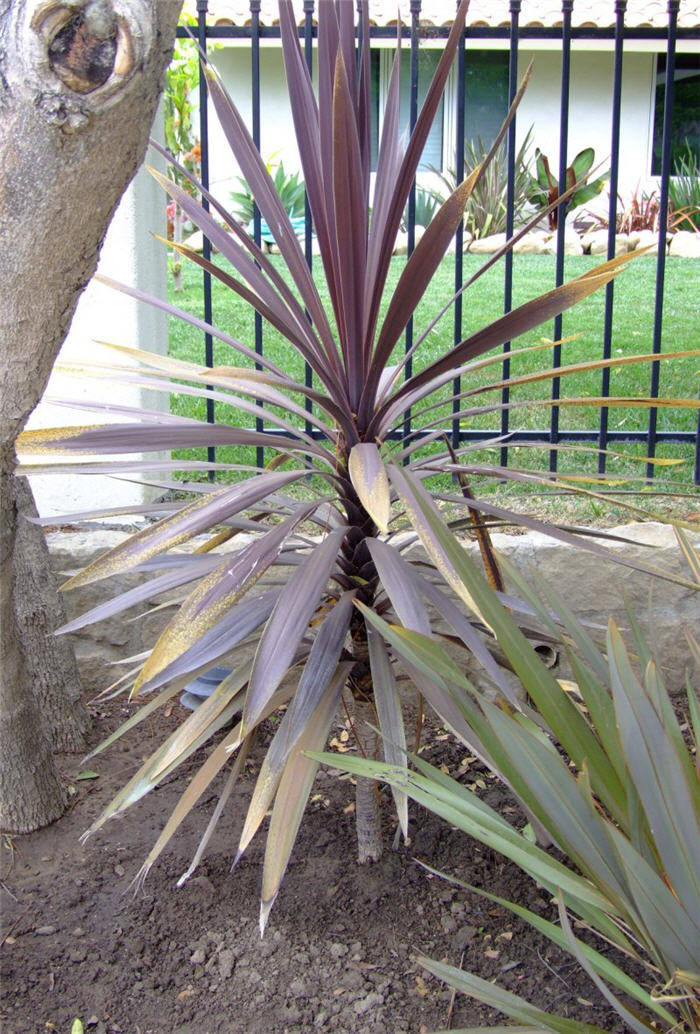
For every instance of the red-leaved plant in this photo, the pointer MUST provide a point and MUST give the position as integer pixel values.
(347, 542)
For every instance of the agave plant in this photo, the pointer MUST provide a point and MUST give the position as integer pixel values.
(330, 506)
(603, 768)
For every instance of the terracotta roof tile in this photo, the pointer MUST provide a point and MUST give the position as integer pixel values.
(483, 12)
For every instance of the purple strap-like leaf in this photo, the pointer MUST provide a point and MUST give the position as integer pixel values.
(186, 317)
(415, 278)
(216, 594)
(315, 157)
(350, 226)
(398, 582)
(318, 671)
(388, 163)
(295, 607)
(117, 438)
(407, 171)
(294, 327)
(234, 627)
(272, 209)
(388, 704)
(508, 327)
(164, 583)
(202, 514)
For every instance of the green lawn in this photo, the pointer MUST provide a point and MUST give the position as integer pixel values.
(632, 333)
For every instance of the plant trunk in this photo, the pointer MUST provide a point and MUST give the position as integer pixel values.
(72, 76)
(367, 810)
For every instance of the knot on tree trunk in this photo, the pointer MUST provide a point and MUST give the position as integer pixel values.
(86, 44)
(83, 51)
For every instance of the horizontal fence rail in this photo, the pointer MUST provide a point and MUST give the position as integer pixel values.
(416, 34)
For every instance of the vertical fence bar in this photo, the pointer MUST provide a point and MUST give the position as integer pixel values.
(696, 466)
(257, 231)
(413, 115)
(459, 235)
(308, 242)
(510, 211)
(673, 6)
(206, 245)
(567, 8)
(620, 7)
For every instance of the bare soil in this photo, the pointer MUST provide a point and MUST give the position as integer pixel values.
(340, 950)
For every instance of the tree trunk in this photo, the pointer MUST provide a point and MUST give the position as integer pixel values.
(49, 659)
(79, 85)
(30, 791)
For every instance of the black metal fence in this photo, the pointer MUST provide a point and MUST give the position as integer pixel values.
(564, 34)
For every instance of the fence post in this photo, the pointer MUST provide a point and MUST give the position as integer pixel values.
(567, 9)
(413, 115)
(206, 245)
(620, 8)
(510, 211)
(673, 6)
(459, 235)
(255, 105)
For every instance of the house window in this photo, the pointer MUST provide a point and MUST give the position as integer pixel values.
(381, 65)
(427, 65)
(685, 115)
(485, 95)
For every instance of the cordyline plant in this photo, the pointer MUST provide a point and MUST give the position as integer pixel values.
(341, 541)
(605, 772)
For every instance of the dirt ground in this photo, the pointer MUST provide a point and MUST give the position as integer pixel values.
(339, 952)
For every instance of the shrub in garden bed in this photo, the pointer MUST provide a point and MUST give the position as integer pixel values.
(338, 504)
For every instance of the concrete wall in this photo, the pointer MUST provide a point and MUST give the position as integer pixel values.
(131, 255)
(592, 586)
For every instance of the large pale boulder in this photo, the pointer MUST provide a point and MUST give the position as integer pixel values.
(572, 244)
(487, 245)
(648, 239)
(596, 243)
(685, 244)
(530, 244)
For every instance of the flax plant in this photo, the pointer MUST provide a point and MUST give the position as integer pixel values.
(334, 509)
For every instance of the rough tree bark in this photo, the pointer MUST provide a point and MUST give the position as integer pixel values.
(79, 85)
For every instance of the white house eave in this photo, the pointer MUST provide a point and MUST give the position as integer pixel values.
(637, 46)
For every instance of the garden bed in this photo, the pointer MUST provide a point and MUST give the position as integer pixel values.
(339, 952)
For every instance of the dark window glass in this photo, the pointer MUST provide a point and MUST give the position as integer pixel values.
(685, 115)
(427, 64)
(485, 94)
(374, 106)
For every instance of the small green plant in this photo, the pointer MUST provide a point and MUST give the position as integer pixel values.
(543, 188)
(427, 206)
(289, 187)
(684, 190)
(602, 768)
(486, 209)
(181, 81)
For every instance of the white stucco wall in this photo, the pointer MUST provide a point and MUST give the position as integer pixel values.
(131, 255)
(590, 110)
(590, 121)
(276, 128)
